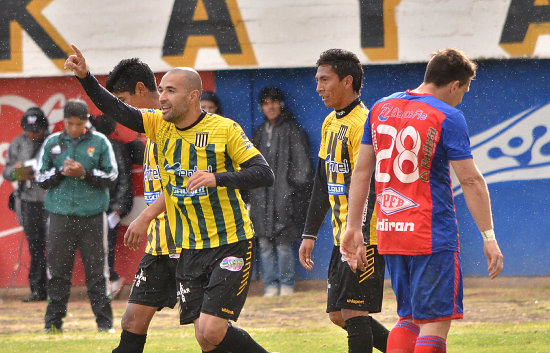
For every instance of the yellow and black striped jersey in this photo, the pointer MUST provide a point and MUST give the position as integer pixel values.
(206, 217)
(160, 239)
(340, 142)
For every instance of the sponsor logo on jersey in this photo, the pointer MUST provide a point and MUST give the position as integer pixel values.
(336, 167)
(201, 139)
(336, 189)
(151, 174)
(183, 192)
(389, 111)
(385, 225)
(90, 151)
(150, 196)
(232, 263)
(391, 202)
(143, 111)
(176, 169)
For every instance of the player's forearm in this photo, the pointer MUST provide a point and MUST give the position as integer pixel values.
(154, 209)
(111, 105)
(319, 203)
(478, 201)
(254, 173)
(358, 192)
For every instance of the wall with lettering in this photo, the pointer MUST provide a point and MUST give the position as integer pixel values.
(228, 34)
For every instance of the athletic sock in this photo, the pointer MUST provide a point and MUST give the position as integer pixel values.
(130, 343)
(216, 350)
(238, 340)
(379, 335)
(402, 337)
(430, 344)
(359, 334)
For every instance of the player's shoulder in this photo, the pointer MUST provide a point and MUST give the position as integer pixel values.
(358, 115)
(52, 138)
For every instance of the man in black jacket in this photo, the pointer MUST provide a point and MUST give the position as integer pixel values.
(278, 212)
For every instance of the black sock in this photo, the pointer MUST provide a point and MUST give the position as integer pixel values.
(130, 343)
(379, 335)
(217, 350)
(359, 334)
(238, 340)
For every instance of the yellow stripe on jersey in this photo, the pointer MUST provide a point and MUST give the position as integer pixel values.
(340, 142)
(160, 239)
(206, 217)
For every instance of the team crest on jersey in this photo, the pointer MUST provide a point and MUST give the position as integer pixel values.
(391, 202)
(201, 139)
(90, 151)
(342, 132)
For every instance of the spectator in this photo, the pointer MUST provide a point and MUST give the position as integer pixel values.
(20, 164)
(121, 198)
(278, 212)
(210, 103)
(77, 166)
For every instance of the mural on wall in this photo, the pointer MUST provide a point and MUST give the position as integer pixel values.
(236, 34)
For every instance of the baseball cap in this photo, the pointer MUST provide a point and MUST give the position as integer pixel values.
(76, 107)
(34, 120)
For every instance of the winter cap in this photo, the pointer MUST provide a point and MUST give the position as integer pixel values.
(34, 120)
(76, 107)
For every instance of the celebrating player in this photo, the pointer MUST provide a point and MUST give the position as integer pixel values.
(204, 160)
(409, 139)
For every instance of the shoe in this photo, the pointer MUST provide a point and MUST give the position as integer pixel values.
(271, 292)
(286, 290)
(106, 329)
(34, 297)
(53, 330)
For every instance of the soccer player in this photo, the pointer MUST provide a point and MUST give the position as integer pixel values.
(409, 139)
(204, 160)
(154, 286)
(351, 296)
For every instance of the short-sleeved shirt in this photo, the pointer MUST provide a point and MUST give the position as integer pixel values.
(160, 240)
(206, 217)
(414, 138)
(340, 142)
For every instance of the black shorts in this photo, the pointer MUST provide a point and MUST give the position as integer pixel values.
(214, 281)
(155, 282)
(357, 291)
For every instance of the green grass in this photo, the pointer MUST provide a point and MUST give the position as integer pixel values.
(471, 338)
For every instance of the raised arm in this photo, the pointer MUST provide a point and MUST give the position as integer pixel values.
(110, 105)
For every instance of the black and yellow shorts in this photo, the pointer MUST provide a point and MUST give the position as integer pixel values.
(214, 281)
(357, 291)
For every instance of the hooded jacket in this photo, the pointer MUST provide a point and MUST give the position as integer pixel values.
(280, 210)
(71, 195)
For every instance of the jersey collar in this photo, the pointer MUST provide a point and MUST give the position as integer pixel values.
(203, 114)
(343, 112)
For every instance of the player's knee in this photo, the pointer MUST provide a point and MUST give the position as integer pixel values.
(127, 322)
(212, 334)
(336, 318)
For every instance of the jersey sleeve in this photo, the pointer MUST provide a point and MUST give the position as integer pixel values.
(355, 138)
(152, 121)
(323, 147)
(367, 135)
(239, 147)
(454, 135)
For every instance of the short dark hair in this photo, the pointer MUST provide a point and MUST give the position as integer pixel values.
(272, 93)
(75, 107)
(344, 63)
(212, 97)
(449, 65)
(127, 73)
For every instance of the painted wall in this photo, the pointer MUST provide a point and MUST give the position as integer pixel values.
(36, 35)
(507, 110)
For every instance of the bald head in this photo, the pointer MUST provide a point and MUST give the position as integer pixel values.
(190, 76)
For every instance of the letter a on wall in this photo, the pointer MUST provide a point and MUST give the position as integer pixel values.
(525, 22)
(19, 15)
(196, 24)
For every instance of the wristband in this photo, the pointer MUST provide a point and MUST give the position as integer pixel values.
(488, 235)
(307, 236)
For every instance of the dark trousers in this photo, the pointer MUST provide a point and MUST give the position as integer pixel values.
(65, 235)
(111, 237)
(33, 219)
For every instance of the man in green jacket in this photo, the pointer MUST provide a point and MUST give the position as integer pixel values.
(77, 166)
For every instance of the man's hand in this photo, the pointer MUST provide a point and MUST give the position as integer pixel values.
(76, 63)
(136, 232)
(199, 179)
(495, 260)
(73, 168)
(305, 253)
(22, 173)
(352, 247)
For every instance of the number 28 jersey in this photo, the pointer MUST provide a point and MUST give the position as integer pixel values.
(414, 137)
